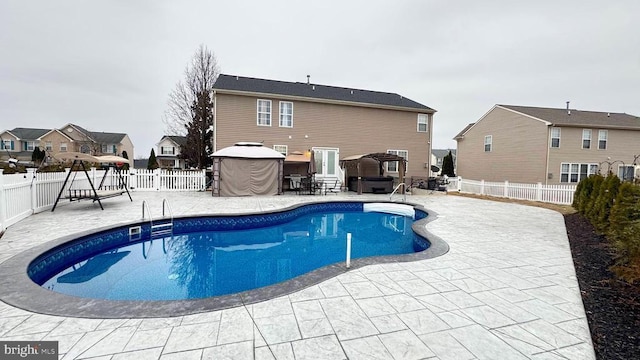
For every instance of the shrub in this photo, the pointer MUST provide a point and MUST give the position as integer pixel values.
(604, 202)
(624, 232)
(590, 199)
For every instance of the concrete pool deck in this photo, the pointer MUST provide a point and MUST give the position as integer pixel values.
(505, 290)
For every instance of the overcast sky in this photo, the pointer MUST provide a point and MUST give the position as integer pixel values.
(110, 65)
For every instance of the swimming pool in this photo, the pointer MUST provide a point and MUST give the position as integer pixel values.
(80, 260)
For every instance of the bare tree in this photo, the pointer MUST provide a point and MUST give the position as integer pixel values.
(184, 116)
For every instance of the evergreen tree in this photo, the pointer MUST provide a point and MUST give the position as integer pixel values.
(152, 164)
(447, 165)
(589, 206)
(604, 202)
(126, 156)
(197, 150)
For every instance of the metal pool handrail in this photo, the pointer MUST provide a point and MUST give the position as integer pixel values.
(396, 189)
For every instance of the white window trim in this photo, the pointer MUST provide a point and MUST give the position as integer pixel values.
(633, 172)
(397, 152)
(558, 137)
(425, 122)
(590, 166)
(281, 114)
(490, 143)
(605, 139)
(586, 131)
(285, 147)
(269, 113)
(48, 145)
(63, 147)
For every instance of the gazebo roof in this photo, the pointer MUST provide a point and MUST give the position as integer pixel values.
(248, 150)
(380, 157)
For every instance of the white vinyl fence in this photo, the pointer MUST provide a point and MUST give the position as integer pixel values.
(556, 194)
(24, 194)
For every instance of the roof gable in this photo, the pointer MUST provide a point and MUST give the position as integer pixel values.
(315, 91)
(107, 138)
(28, 133)
(574, 117)
(176, 139)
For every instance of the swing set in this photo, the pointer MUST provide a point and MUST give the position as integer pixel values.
(103, 191)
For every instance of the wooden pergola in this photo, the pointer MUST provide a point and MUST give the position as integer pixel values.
(351, 162)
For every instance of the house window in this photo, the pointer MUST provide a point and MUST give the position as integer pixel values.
(48, 146)
(602, 139)
(555, 137)
(286, 114)
(108, 149)
(167, 150)
(574, 172)
(7, 144)
(29, 145)
(264, 112)
(85, 149)
(423, 123)
(586, 139)
(392, 166)
(63, 147)
(488, 141)
(282, 149)
(626, 172)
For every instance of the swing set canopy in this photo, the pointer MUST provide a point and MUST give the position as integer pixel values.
(68, 156)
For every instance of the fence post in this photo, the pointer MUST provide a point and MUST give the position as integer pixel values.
(3, 200)
(506, 188)
(133, 179)
(539, 192)
(31, 172)
(156, 179)
(481, 187)
(459, 183)
(204, 180)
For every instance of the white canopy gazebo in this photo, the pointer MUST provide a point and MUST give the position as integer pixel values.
(247, 169)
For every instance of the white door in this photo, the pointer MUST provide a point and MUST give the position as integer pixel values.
(326, 161)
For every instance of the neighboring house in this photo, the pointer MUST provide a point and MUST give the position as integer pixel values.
(437, 158)
(333, 122)
(168, 151)
(545, 145)
(19, 143)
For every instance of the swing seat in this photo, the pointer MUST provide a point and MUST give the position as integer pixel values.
(96, 194)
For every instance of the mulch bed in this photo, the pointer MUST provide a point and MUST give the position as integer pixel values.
(612, 306)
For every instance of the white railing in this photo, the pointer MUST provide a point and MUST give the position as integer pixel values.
(29, 193)
(556, 194)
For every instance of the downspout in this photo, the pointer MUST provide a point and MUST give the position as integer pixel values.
(546, 165)
(215, 121)
(430, 145)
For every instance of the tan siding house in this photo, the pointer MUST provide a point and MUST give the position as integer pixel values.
(545, 145)
(332, 122)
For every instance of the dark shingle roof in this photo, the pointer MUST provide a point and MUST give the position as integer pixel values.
(180, 140)
(315, 91)
(579, 117)
(28, 133)
(106, 138)
(441, 153)
(461, 133)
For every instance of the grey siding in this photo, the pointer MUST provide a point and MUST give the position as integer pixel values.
(518, 151)
(352, 129)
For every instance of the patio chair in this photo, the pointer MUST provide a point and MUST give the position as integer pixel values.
(294, 182)
(334, 187)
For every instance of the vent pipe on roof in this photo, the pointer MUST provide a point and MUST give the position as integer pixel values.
(313, 87)
(236, 77)
(608, 114)
(568, 111)
(308, 79)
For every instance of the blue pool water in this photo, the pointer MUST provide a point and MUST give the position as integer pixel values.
(198, 264)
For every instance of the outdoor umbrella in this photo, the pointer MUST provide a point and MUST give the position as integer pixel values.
(312, 165)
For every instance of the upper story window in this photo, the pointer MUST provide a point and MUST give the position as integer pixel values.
(392, 166)
(555, 137)
(108, 149)
(48, 146)
(286, 114)
(602, 139)
(488, 142)
(586, 138)
(264, 112)
(423, 123)
(282, 149)
(167, 150)
(63, 147)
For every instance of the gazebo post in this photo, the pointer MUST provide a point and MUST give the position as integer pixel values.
(401, 175)
(359, 179)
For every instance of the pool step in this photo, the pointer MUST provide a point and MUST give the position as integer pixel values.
(161, 229)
